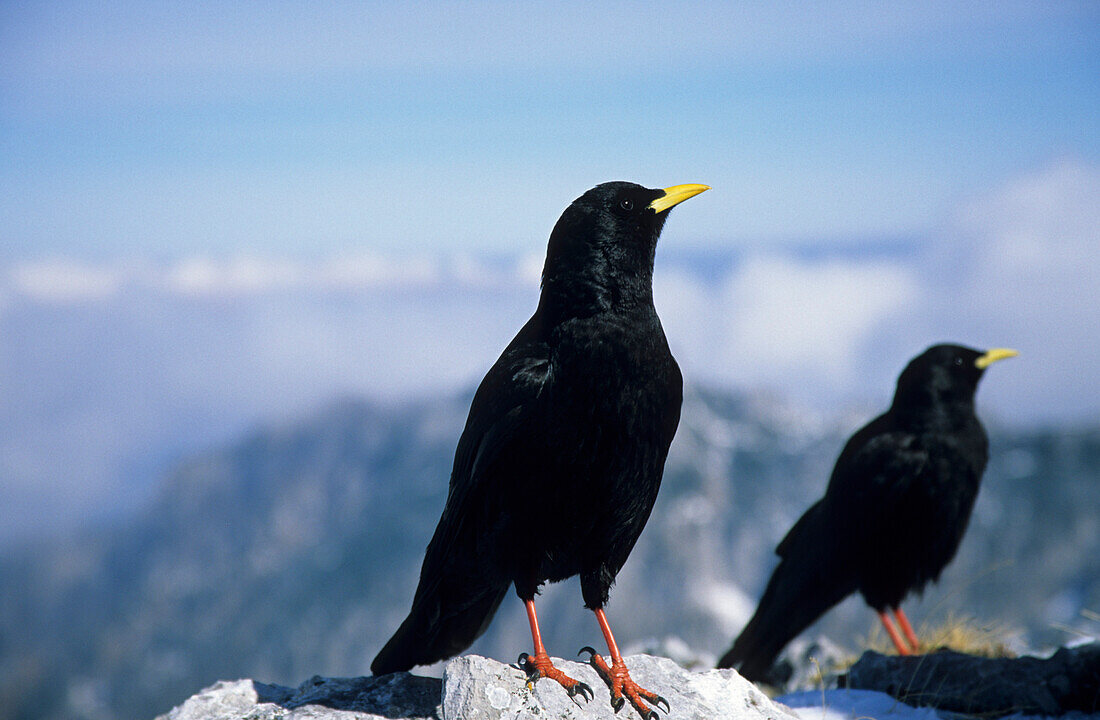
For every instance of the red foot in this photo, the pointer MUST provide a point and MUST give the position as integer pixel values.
(624, 688)
(539, 665)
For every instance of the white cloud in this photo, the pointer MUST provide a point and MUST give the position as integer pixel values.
(66, 281)
(105, 364)
(800, 326)
(1029, 253)
(791, 315)
(1042, 224)
(367, 270)
(1015, 267)
(530, 268)
(252, 275)
(239, 275)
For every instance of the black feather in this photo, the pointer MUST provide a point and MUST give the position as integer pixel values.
(563, 451)
(895, 510)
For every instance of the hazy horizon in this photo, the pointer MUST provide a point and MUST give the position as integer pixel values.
(111, 369)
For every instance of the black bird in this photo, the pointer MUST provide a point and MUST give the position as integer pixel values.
(895, 510)
(559, 464)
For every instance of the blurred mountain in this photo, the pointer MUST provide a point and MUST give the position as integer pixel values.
(295, 552)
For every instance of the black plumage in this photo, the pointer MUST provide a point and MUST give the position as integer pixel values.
(561, 458)
(895, 510)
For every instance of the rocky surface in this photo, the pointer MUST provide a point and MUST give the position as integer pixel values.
(400, 695)
(1067, 681)
(475, 687)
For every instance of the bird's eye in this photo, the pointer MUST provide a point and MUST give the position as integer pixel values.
(958, 361)
(627, 204)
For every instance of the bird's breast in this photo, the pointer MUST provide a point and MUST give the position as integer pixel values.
(614, 394)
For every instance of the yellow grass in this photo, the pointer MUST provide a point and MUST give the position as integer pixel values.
(956, 632)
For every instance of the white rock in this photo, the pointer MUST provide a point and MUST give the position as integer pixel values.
(477, 688)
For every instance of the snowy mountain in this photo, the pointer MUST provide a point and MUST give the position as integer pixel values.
(295, 552)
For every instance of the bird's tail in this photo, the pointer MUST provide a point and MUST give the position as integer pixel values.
(803, 586)
(443, 622)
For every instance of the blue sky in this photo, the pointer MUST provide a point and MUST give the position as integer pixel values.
(215, 215)
(286, 129)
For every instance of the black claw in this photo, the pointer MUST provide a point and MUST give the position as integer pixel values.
(525, 665)
(583, 690)
(587, 649)
(652, 715)
(617, 704)
(659, 700)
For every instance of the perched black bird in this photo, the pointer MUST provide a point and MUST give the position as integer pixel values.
(893, 515)
(563, 451)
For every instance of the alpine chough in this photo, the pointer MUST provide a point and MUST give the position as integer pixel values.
(895, 510)
(559, 464)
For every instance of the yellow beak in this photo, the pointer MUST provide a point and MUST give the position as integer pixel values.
(992, 356)
(675, 195)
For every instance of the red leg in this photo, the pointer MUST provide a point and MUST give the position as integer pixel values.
(903, 623)
(618, 678)
(893, 633)
(540, 666)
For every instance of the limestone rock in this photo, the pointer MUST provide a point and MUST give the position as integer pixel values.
(400, 695)
(477, 688)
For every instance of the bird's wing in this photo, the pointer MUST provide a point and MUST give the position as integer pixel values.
(803, 531)
(500, 414)
(869, 484)
(501, 422)
(460, 588)
(871, 476)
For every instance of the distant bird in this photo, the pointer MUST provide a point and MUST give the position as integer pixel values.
(893, 515)
(559, 464)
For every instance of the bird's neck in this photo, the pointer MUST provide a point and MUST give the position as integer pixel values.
(945, 415)
(603, 285)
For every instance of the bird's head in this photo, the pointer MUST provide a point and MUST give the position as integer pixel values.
(604, 242)
(945, 375)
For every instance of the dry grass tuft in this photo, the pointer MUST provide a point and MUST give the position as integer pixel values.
(960, 633)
